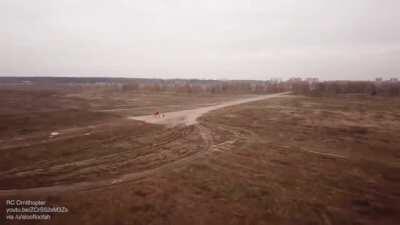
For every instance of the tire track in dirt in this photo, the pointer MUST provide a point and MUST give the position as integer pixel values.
(104, 159)
(83, 186)
(150, 155)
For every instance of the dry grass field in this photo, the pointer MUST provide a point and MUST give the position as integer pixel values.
(285, 160)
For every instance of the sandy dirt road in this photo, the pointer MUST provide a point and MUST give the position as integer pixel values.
(171, 119)
(189, 117)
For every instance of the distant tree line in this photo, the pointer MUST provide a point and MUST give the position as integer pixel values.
(208, 86)
(307, 86)
(379, 87)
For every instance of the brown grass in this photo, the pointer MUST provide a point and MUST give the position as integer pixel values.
(291, 160)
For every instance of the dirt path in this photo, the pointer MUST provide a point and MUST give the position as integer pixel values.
(185, 117)
(189, 117)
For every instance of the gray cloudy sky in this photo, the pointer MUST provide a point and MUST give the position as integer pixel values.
(231, 39)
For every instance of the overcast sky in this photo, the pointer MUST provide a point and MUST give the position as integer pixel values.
(223, 39)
